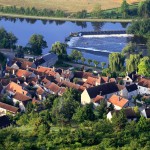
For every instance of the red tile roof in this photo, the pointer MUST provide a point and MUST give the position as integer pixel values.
(21, 73)
(21, 97)
(13, 87)
(118, 101)
(53, 87)
(144, 82)
(9, 108)
(98, 98)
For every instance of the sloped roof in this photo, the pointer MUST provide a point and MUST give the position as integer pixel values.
(103, 89)
(131, 87)
(21, 73)
(49, 56)
(117, 100)
(53, 87)
(9, 108)
(98, 98)
(13, 87)
(21, 97)
(144, 82)
(81, 74)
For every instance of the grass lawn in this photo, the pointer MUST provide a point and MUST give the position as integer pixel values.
(66, 5)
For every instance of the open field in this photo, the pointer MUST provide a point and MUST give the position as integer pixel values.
(66, 5)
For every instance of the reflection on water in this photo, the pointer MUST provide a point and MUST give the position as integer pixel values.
(58, 30)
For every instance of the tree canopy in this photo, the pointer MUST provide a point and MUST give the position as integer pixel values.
(36, 44)
(7, 39)
(59, 49)
(124, 8)
(116, 61)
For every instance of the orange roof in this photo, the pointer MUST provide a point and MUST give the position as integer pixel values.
(98, 98)
(117, 100)
(91, 81)
(62, 91)
(13, 87)
(43, 69)
(144, 82)
(21, 97)
(21, 73)
(40, 91)
(8, 107)
(26, 64)
(53, 87)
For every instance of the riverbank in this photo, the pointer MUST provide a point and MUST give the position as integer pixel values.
(63, 19)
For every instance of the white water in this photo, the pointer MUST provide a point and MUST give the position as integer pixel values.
(93, 49)
(109, 35)
(72, 41)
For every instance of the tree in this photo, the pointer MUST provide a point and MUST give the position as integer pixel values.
(129, 48)
(36, 44)
(76, 55)
(132, 62)
(119, 120)
(96, 63)
(144, 9)
(124, 8)
(84, 113)
(8, 40)
(148, 46)
(2, 59)
(59, 49)
(116, 61)
(103, 64)
(89, 61)
(144, 66)
(83, 59)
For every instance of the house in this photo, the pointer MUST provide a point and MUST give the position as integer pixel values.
(4, 121)
(24, 73)
(130, 78)
(5, 108)
(21, 99)
(129, 113)
(118, 102)
(46, 60)
(53, 88)
(97, 100)
(146, 113)
(82, 75)
(144, 86)
(129, 91)
(13, 87)
(105, 90)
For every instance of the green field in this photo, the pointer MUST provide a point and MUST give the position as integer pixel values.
(66, 5)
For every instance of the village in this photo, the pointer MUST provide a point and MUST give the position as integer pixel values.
(24, 81)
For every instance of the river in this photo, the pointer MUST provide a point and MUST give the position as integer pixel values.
(94, 48)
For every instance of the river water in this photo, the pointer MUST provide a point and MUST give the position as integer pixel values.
(94, 48)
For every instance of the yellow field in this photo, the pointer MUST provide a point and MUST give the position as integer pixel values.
(66, 5)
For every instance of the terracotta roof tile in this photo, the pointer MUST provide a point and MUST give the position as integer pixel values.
(9, 108)
(98, 98)
(53, 87)
(144, 82)
(13, 87)
(21, 97)
(21, 73)
(118, 101)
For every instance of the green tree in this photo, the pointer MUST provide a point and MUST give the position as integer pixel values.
(89, 61)
(144, 9)
(124, 8)
(83, 59)
(116, 61)
(119, 120)
(76, 55)
(36, 44)
(59, 49)
(103, 64)
(132, 62)
(96, 63)
(129, 49)
(144, 66)
(2, 59)
(148, 46)
(84, 113)
(7, 40)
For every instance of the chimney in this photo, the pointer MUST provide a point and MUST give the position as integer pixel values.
(13, 72)
(119, 98)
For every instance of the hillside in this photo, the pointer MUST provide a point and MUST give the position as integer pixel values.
(66, 5)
